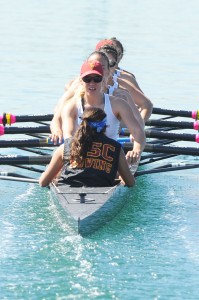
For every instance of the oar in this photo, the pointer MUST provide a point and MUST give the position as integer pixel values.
(124, 131)
(150, 133)
(169, 135)
(45, 159)
(164, 149)
(163, 123)
(46, 142)
(23, 179)
(153, 159)
(9, 119)
(31, 168)
(176, 124)
(5, 173)
(168, 168)
(177, 113)
(24, 160)
(24, 130)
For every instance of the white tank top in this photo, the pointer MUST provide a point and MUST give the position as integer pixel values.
(113, 124)
(111, 88)
(117, 74)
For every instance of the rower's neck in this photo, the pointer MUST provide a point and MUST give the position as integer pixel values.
(97, 101)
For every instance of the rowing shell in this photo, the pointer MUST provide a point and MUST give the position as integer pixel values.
(89, 208)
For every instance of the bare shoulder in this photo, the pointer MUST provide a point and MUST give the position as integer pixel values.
(117, 102)
(72, 84)
(122, 93)
(68, 85)
(128, 80)
(70, 106)
(127, 74)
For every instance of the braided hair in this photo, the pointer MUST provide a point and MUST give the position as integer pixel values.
(93, 123)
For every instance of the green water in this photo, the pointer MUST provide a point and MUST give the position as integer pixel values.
(151, 249)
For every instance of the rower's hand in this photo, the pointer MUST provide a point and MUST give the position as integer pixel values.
(133, 156)
(56, 135)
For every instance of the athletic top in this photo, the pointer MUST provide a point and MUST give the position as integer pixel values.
(117, 74)
(111, 88)
(99, 167)
(113, 124)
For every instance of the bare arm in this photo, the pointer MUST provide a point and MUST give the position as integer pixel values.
(124, 170)
(53, 168)
(130, 77)
(122, 109)
(145, 106)
(124, 94)
(56, 123)
(69, 118)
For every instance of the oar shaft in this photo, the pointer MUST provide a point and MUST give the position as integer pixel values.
(177, 113)
(172, 167)
(26, 143)
(151, 133)
(24, 160)
(174, 136)
(24, 130)
(5, 173)
(11, 178)
(9, 119)
(177, 124)
(164, 149)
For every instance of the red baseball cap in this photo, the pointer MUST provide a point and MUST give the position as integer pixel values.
(102, 43)
(91, 67)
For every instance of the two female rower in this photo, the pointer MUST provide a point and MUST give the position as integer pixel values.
(91, 158)
(127, 80)
(115, 108)
(58, 124)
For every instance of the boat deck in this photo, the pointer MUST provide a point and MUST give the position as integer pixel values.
(89, 207)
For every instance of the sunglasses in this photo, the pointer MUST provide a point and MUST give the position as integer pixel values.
(96, 79)
(112, 63)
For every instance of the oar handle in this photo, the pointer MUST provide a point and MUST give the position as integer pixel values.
(24, 130)
(177, 113)
(7, 119)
